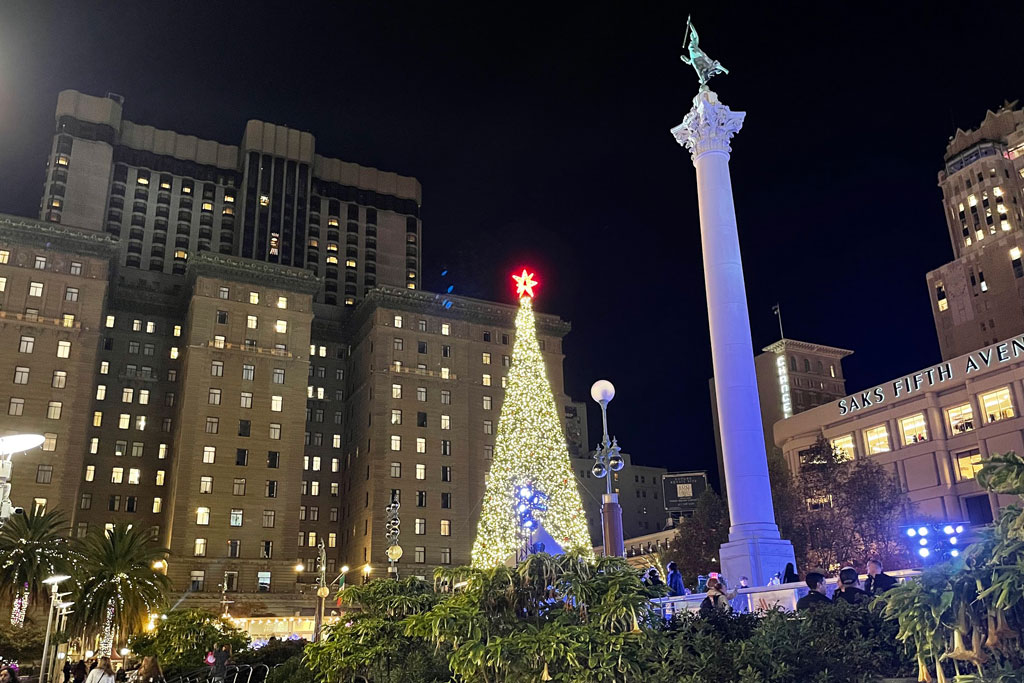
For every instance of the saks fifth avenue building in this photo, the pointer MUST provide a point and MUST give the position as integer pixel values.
(931, 429)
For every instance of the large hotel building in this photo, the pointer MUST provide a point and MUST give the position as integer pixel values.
(228, 344)
(933, 428)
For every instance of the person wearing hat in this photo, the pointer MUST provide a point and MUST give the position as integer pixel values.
(716, 598)
(817, 596)
(847, 590)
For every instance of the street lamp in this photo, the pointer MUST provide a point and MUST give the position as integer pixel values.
(52, 582)
(9, 445)
(323, 588)
(608, 460)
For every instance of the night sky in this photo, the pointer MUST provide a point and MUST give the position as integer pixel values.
(541, 137)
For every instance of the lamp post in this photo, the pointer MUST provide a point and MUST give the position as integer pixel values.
(9, 445)
(323, 587)
(52, 582)
(608, 460)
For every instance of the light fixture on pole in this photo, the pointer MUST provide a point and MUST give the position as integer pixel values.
(609, 460)
(9, 445)
(52, 582)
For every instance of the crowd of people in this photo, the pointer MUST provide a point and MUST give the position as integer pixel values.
(718, 596)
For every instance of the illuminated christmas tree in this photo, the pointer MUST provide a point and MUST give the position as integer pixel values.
(529, 451)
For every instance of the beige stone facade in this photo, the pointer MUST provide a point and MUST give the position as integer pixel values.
(931, 429)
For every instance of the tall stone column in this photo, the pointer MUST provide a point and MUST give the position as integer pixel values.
(755, 549)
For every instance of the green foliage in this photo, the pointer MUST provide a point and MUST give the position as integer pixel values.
(699, 538)
(293, 670)
(275, 652)
(838, 511)
(21, 644)
(182, 640)
(967, 617)
(568, 620)
(34, 546)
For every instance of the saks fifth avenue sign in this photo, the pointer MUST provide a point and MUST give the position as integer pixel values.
(962, 367)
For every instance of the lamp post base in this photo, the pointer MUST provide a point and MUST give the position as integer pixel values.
(758, 559)
(611, 525)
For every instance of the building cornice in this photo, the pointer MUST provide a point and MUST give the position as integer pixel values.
(806, 347)
(208, 264)
(462, 308)
(48, 235)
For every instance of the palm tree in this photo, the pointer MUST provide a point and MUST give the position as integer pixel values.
(120, 585)
(33, 546)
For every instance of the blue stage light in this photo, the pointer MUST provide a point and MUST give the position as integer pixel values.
(911, 533)
(922, 530)
(948, 529)
(924, 541)
(952, 539)
(959, 529)
(526, 492)
(923, 552)
(954, 552)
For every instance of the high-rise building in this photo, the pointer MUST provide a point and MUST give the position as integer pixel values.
(792, 376)
(978, 298)
(168, 196)
(230, 325)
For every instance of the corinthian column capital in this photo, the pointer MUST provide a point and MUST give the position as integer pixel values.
(709, 126)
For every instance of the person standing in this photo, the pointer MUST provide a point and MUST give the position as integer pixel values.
(817, 596)
(878, 581)
(78, 671)
(675, 581)
(220, 663)
(716, 598)
(790, 575)
(66, 670)
(848, 591)
(103, 673)
(149, 671)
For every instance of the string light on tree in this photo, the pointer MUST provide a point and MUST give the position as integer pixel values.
(529, 451)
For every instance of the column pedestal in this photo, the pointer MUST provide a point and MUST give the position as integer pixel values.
(611, 525)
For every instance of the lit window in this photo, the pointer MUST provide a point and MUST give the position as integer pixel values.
(396, 442)
(487, 402)
(177, 330)
(71, 294)
(254, 297)
(997, 405)
(63, 349)
(161, 475)
(398, 321)
(90, 472)
(421, 471)
(488, 427)
(446, 329)
(124, 421)
(446, 422)
(275, 431)
(116, 475)
(396, 391)
(213, 398)
(16, 407)
(486, 380)
(127, 395)
(207, 206)
(134, 475)
(968, 464)
(445, 373)
(27, 344)
(914, 429)
(158, 504)
(49, 441)
(396, 416)
(5, 256)
(21, 375)
(972, 200)
(110, 321)
(97, 418)
(209, 454)
(203, 516)
(485, 358)
(245, 400)
(236, 517)
(264, 200)
(446, 527)
(251, 322)
(104, 367)
(199, 545)
(174, 352)
(281, 326)
(877, 439)
(282, 302)
(53, 410)
(421, 445)
(961, 418)
(276, 403)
